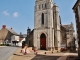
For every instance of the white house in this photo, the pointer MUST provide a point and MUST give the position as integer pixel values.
(16, 40)
(20, 42)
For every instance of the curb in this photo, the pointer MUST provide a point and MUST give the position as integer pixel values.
(62, 58)
(3, 46)
(12, 55)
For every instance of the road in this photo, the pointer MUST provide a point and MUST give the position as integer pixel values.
(6, 52)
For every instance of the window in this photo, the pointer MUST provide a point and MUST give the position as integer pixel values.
(39, 7)
(42, 6)
(45, 5)
(42, 18)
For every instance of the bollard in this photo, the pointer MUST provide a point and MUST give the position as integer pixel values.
(21, 51)
(45, 52)
(52, 51)
(35, 50)
(25, 53)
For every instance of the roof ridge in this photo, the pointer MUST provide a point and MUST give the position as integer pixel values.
(12, 31)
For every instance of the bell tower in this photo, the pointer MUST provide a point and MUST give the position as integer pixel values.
(43, 24)
(43, 13)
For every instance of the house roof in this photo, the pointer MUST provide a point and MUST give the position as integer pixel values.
(23, 35)
(12, 31)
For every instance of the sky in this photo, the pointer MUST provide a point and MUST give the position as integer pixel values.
(19, 14)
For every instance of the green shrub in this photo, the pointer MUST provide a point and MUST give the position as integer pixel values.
(1, 44)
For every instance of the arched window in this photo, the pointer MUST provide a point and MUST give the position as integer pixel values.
(42, 18)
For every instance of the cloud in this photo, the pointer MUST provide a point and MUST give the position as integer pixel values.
(6, 13)
(15, 14)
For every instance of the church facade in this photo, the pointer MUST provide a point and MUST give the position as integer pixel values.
(46, 25)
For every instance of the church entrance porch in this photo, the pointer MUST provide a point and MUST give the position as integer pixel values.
(43, 41)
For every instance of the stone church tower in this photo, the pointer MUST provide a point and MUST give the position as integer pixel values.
(46, 25)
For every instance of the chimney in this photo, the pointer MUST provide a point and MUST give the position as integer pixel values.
(11, 27)
(4, 26)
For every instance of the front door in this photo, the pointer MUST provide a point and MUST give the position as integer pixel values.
(43, 42)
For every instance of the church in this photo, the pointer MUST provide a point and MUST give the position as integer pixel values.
(48, 32)
(46, 25)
